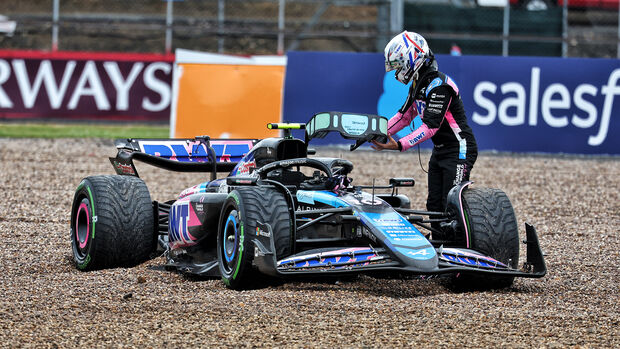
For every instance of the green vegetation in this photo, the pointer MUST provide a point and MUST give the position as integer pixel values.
(32, 130)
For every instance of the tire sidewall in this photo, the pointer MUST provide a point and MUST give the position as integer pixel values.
(241, 254)
(84, 198)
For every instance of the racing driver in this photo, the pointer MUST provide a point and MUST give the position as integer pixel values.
(435, 98)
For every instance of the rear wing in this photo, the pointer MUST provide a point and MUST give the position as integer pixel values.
(200, 154)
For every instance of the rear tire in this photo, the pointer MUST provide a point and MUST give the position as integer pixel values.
(112, 222)
(493, 231)
(241, 211)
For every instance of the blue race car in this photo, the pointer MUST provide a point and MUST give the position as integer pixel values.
(281, 213)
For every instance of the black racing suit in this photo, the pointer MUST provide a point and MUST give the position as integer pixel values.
(436, 99)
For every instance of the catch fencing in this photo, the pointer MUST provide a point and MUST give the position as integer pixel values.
(579, 28)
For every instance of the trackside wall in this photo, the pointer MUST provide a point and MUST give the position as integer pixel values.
(226, 96)
(85, 86)
(520, 104)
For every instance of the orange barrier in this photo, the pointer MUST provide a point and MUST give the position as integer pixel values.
(226, 96)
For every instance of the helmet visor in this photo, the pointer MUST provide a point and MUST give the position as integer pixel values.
(389, 66)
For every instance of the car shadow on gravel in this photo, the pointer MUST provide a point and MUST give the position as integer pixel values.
(404, 287)
(395, 286)
(375, 286)
(401, 287)
(260, 281)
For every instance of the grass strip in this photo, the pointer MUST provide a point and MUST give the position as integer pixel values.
(43, 130)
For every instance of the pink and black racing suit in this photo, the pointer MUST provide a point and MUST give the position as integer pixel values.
(437, 100)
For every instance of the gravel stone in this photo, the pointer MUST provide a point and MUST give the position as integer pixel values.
(571, 200)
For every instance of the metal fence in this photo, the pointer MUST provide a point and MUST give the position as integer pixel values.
(579, 28)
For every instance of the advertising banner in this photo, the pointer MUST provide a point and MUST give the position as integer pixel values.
(331, 81)
(226, 96)
(542, 104)
(519, 104)
(85, 86)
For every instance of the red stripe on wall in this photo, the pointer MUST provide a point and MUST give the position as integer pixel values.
(94, 56)
(81, 117)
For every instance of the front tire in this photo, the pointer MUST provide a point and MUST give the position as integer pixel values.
(241, 211)
(493, 231)
(112, 222)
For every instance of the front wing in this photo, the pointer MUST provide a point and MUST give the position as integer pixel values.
(367, 259)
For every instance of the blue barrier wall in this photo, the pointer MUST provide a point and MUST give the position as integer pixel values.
(520, 104)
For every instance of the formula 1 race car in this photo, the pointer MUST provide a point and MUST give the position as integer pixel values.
(281, 213)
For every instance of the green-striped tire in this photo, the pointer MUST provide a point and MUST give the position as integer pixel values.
(241, 211)
(112, 222)
(493, 231)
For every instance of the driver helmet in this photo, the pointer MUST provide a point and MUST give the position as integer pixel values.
(406, 53)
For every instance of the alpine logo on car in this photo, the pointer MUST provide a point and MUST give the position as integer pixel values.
(420, 252)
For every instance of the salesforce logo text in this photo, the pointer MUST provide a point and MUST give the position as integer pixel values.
(556, 97)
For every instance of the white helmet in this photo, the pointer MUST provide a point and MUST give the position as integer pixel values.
(406, 53)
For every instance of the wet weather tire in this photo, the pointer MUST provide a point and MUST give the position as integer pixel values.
(241, 211)
(493, 231)
(112, 222)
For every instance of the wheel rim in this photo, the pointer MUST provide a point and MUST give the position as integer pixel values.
(82, 227)
(230, 240)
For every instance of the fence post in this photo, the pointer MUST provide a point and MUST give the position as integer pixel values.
(396, 16)
(221, 8)
(564, 28)
(618, 49)
(506, 29)
(169, 26)
(310, 24)
(281, 27)
(384, 25)
(55, 16)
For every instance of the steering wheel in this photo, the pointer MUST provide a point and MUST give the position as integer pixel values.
(263, 171)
